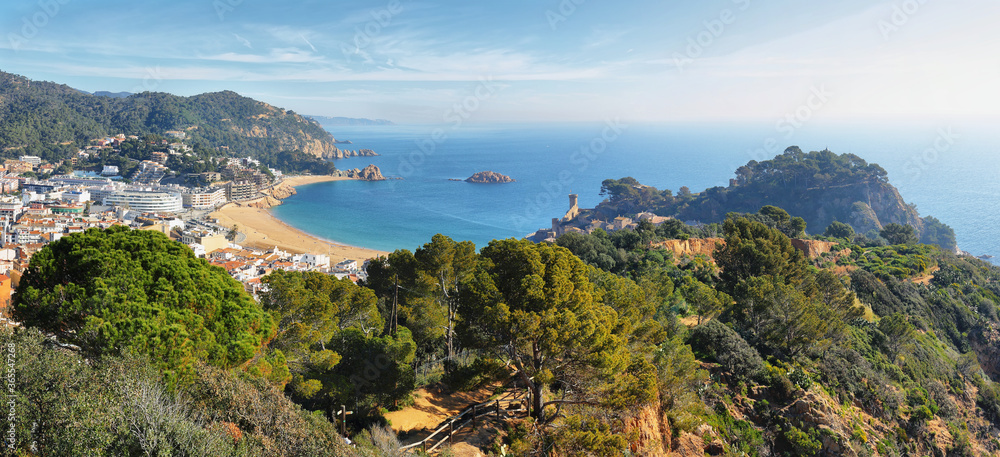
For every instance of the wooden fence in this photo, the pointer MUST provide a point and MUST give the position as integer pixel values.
(468, 416)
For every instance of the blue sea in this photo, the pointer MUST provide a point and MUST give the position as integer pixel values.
(950, 170)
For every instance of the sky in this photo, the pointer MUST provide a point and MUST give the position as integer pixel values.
(413, 61)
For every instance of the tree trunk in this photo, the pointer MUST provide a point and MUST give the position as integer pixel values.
(534, 389)
(450, 337)
(536, 401)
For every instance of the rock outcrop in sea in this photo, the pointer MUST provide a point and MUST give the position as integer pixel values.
(338, 153)
(489, 177)
(369, 173)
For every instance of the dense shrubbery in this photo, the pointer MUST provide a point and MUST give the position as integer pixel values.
(118, 405)
(107, 290)
(714, 340)
(599, 343)
(811, 185)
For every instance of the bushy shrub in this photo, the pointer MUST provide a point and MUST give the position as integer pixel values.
(800, 378)
(119, 405)
(939, 395)
(802, 443)
(781, 386)
(714, 339)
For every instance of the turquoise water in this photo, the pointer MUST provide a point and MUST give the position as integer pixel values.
(955, 181)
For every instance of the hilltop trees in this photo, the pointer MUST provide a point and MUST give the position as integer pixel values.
(819, 187)
(337, 350)
(42, 115)
(444, 267)
(107, 290)
(536, 304)
(839, 230)
(310, 308)
(899, 234)
(752, 249)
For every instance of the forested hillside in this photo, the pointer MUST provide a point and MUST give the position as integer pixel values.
(820, 186)
(626, 349)
(52, 120)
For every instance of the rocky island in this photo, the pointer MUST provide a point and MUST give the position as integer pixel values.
(489, 177)
(369, 173)
(337, 153)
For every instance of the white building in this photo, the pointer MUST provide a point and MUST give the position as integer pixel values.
(347, 265)
(204, 198)
(199, 250)
(99, 193)
(142, 201)
(318, 260)
(28, 197)
(76, 196)
(109, 170)
(80, 181)
(34, 160)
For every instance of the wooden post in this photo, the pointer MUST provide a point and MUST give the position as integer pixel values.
(498, 409)
(423, 445)
(451, 431)
(473, 417)
(343, 420)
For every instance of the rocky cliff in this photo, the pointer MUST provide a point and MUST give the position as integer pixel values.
(651, 430)
(281, 191)
(691, 247)
(489, 177)
(821, 187)
(813, 248)
(706, 246)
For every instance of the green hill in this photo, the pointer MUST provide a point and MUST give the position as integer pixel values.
(819, 186)
(51, 120)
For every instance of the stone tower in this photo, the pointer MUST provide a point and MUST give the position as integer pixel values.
(574, 210)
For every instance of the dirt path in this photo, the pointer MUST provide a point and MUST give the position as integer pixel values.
(431, 406)
(926, 279)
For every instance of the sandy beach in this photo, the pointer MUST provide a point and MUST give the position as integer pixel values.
(265, 231)
(302, 180)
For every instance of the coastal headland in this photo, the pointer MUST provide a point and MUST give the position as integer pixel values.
(263, 230)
